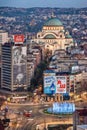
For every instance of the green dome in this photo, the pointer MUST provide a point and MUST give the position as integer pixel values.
(53, 22)
(49, 36)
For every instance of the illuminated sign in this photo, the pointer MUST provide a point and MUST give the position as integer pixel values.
(49, 84)
(19, 65)
(61, 84)
(19, 38)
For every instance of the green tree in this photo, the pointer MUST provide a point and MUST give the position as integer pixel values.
(37, 80)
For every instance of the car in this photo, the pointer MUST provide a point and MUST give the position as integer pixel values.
(81, 101)
(60, 117)
(46, 105)
(27, 114)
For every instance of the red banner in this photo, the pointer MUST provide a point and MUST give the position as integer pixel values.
(19, 38)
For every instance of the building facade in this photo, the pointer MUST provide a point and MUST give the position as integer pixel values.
(3, 38)
(33, 59)
(14, 66)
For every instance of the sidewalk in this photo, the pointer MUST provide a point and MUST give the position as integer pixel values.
(32, 103)
(22, 104)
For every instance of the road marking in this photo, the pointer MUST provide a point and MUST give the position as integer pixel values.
(30, 119)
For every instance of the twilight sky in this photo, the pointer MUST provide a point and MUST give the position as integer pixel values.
(43, 3)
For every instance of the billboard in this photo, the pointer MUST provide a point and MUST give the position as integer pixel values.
(19, 65)
(19, 38)
(61, 84)
(49, 83)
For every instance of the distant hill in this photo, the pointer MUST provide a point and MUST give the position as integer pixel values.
(11, 11)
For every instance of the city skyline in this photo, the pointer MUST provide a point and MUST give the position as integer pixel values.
(42, 3)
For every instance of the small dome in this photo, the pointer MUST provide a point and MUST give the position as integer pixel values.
(53, 22)
(49, 36)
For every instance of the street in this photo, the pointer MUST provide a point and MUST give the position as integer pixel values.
(20, 122)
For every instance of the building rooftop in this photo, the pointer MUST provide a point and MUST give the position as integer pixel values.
(49, 71)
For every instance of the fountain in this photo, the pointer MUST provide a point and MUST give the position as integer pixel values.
(62, 108)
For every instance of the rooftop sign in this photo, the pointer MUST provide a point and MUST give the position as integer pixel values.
(19, 38)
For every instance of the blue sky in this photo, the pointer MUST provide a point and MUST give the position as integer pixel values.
(43, 3)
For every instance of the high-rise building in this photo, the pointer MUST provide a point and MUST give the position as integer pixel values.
(3, 38)
(14, 66)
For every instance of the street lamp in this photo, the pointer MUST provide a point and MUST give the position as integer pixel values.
(75, 119)
(44, 124)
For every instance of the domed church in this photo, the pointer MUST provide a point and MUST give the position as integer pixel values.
(53, 36)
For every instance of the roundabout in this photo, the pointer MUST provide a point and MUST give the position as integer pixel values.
(38, 117)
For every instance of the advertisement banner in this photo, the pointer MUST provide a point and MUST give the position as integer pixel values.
(19, 38)
(61, 84)
(19, 65)
(49, 84)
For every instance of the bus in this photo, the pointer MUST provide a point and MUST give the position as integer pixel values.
(17, 99)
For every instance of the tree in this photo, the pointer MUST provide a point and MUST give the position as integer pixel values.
(37, 80)
(48, 54)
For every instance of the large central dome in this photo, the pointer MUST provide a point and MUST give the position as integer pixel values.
(53, 22)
